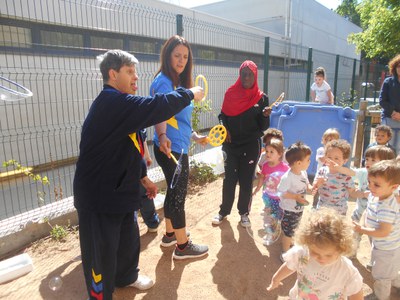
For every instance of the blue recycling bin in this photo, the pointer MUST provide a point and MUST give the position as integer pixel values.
(307, 122)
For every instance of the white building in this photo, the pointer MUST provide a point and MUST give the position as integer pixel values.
(305, 23)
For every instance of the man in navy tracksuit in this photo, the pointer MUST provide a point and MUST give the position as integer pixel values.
(109, 171)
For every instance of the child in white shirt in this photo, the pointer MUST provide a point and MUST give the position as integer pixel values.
(323, 271)
(293, 187)
(320, 90)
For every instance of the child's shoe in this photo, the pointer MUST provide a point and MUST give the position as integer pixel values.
(167, 241)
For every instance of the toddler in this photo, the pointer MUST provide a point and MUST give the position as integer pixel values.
(292, 188)
(269, 178)
(268, 135)
(323, 271)
(329, 135)
(383, 135)
(373, 155)
(320, 90)
(334, 187)
(381, 223)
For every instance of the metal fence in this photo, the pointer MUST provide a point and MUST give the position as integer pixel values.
(50, 47)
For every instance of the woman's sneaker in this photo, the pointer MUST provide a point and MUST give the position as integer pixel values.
(217, 219)
(190, 251)
(245, 221)
(167, 241)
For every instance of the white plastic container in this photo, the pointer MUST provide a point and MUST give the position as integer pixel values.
(15, 267)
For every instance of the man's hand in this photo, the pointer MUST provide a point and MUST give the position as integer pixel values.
(198, 93)
(151, 188)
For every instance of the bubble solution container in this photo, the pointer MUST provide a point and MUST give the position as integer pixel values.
(15, 267)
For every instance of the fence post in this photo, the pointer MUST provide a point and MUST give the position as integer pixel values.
(309, 71)
(353, 79)
(179, 25)
(266, 64)
(336, 78)
(360, 134)
(367, 130)
(366, 82)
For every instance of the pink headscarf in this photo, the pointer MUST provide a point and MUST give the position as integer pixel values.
(238, 99)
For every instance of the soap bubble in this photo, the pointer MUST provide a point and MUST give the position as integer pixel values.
(271, 183)
(272, 233)
(55, 283)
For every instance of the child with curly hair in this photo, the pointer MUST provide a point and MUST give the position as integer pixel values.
(322, 241)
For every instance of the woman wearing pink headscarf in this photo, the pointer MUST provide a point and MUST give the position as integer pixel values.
(245, 114)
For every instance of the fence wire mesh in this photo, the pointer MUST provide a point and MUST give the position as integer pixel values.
(50, 47)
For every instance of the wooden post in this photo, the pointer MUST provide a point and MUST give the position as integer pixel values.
(360, 134)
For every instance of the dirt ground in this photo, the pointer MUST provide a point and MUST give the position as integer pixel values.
(237, 266)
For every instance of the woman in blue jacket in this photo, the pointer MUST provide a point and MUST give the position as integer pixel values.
(389, 100)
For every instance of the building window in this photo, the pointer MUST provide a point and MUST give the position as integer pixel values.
(11, 36)
(106, 42)
(61, 39)
(206, 54)
(226, 56)
(138, 46)
(276, 61)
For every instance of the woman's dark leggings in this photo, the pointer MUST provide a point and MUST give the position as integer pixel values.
(240, 166)
(174, 204)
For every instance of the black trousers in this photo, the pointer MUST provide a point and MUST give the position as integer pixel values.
(174, 203)
(110, 248)
(240, 166)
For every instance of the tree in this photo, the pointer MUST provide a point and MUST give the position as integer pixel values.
(380, 21)
(347, 9)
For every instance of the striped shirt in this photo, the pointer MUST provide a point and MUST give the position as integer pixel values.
(384, 211)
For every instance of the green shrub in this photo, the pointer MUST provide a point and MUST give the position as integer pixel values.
(201, 173)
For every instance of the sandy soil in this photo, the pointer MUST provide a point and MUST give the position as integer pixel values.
(237, 266)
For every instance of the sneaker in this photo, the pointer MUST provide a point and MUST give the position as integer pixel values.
(190, 251)
(142, 283)
(167, 241)
(217, 219)
(152, 229)
(245, 221)
(152, 223)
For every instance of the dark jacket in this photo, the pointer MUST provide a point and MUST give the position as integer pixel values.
(389, 97)
(248, 125)
(110, 167)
